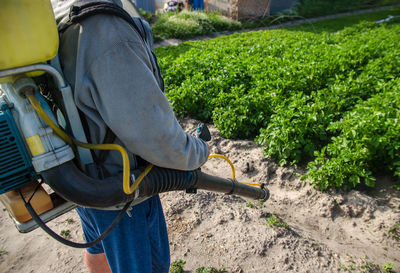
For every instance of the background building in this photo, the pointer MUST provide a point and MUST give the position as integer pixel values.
(235, 9)
(247, 9)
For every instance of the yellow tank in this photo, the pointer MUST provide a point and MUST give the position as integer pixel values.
(41, 202)
(28, 34)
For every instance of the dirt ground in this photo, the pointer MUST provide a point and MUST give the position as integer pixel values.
(325, 232)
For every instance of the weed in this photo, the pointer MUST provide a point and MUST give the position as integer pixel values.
(343, 266)
(349, 268)
(250, 205)
(388, 267)
(177, 267)
(274, 221)
(3, 252)
(70, 221)
(352, 266)
(66, 233)
(260, 203)
(210, 269)
(367, 267)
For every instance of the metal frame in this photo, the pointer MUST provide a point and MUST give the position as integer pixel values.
(61, 206)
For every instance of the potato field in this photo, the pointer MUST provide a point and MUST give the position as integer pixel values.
(329, 99)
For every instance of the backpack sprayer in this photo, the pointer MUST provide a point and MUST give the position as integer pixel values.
(35, 148)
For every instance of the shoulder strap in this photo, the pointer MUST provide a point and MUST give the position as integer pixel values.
(80, 11)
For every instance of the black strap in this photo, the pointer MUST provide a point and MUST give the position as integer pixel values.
(49, 231)
(108, 138)
(80, 11)
(101, 158)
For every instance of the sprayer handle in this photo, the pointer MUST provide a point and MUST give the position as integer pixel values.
(202, 132)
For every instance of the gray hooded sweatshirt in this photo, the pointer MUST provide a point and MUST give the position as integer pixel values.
(115, 85)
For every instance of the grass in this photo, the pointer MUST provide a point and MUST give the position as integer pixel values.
(210, 269)
(3, 252)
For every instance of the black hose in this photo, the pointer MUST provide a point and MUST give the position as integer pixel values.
(73, 185)
(163, 180)
(229, 186)
(62, 240)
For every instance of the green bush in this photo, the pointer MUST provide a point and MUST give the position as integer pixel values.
(188, 24)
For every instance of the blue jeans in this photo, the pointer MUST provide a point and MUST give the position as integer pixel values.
(137, 244)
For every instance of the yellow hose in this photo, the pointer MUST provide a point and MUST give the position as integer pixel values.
(125, 159)
(140, 178)
(233, 169)
(227, 160)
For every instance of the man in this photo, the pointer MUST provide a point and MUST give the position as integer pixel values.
(117, 87)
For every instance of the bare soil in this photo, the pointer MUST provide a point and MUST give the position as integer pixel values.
(326, 231)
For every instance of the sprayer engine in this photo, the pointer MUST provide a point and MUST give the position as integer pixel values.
(16, 168)
(28, 147)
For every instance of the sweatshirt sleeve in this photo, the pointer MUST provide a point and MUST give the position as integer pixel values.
(129, 100)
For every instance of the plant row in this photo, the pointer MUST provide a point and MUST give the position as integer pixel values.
(367, 141)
